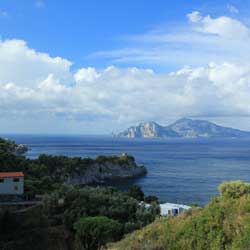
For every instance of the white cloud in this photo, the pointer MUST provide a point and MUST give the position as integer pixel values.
(45, 88)
(232, 9)
(194, 17)
(88, 75)
(197, 42)
(222, 26)
(25, 66)
(116, 95)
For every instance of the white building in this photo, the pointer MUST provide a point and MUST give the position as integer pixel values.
(11, 183)
(168, 209)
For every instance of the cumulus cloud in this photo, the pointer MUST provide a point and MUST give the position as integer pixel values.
(222, 26)
(25, 66)
(113, 94)
(88, 75)
(36, 85)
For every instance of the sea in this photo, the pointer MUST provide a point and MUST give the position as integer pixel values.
(180, 171)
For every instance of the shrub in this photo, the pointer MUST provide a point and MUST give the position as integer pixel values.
(234, 189)
(94, 232)
(136, 193)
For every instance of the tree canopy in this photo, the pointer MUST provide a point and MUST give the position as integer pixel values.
(94, 232)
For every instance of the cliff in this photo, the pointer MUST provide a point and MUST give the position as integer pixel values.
(183, 128)
(47, 172)
(107, 168)
(147, 130)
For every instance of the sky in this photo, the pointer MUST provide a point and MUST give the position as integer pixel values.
(97, 67)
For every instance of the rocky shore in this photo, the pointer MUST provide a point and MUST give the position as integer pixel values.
(12, 147)
(20, 149)
(108, 168)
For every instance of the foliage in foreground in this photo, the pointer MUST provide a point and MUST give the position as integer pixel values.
(94, 232)
(224, 224)
(68, 209)
(100, 201)
(66, 216)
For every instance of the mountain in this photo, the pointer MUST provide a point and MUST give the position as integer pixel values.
(147, 130)
(182, 128)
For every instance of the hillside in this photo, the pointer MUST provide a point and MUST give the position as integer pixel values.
(223, 224)
(148, 130)
(65, 206)
(47, 173)
(183, 128)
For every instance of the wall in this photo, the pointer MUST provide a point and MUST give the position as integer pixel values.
(11, 187)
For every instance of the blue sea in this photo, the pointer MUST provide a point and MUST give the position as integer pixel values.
(179, 170)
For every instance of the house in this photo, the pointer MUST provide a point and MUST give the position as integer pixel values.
(11, 183)
(171, 209)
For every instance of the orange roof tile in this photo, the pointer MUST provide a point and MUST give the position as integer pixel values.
(11, 174)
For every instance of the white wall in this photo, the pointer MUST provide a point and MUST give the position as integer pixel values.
(11, 187)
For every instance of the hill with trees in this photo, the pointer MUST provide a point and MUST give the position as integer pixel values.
(70, 210)
(224, 224)
(48, 173)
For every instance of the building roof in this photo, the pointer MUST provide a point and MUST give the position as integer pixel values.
(11, 174)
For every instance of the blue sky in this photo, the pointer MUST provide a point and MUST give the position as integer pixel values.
(76, 29)
(99, 66)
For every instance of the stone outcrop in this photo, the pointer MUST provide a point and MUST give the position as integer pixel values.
(108, 168)
(20, 149)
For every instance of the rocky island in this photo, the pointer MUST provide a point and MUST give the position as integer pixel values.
(183, 128)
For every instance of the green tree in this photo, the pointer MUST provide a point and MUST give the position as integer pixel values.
(94, 232)
(234, 189)
(150, 199)
(136, 193)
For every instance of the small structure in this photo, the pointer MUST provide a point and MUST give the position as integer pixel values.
(11, 183)
(171, 209)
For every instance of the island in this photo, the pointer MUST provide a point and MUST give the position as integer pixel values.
(182, 128)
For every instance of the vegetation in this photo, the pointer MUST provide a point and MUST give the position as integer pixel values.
(69, 212)
(136, 193)
(47, 173)
(94, 232)
(7, 145)
(71, 217)
(224, 224)
(24, 230)
(100, 201)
